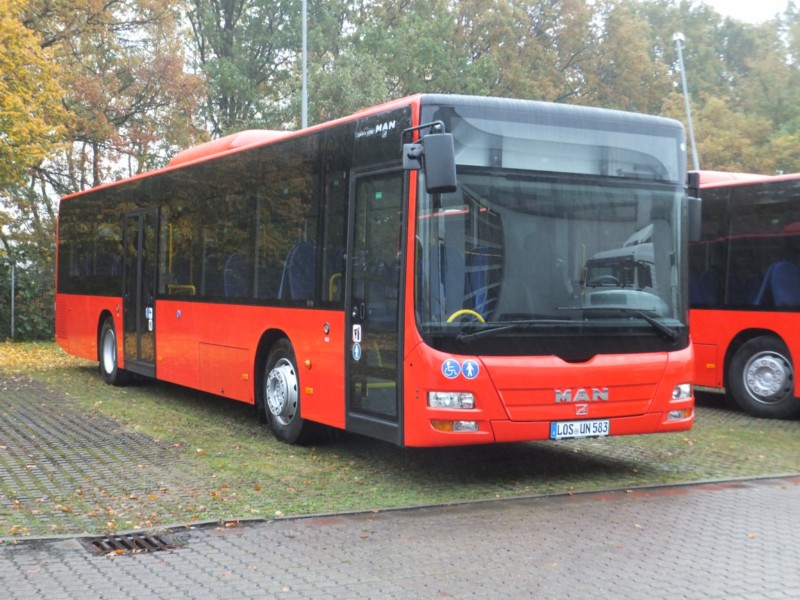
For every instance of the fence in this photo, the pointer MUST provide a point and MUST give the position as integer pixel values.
(27, 310)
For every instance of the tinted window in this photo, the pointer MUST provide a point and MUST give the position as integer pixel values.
(750, 249)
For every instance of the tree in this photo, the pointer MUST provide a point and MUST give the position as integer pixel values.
(131, 100)
(743, 81)
(245, 49)
(124, 105)
(31, 116)
(531, 49)
(627, 72)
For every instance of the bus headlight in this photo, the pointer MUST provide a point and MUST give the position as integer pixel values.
(451, 400)
(682, 391)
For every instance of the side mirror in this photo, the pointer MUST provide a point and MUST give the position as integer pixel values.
(435, 154)
(694, 208)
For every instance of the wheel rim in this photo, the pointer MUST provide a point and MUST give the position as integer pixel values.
(281, 391)
(109, 354)
(768, 377)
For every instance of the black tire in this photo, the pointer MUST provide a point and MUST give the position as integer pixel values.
(760, 379)
(280, 395)
(107, 356)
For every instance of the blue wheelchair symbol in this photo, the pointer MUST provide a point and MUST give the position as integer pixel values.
(356, 351)
(450, 368)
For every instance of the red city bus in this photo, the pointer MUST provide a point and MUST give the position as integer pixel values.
(416, 272)
(745, 291)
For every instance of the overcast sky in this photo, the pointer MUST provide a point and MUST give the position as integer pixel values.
(751, 11)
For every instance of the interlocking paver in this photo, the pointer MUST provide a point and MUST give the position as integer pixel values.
(711, 541)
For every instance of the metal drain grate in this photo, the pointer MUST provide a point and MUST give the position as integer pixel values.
(133, 543)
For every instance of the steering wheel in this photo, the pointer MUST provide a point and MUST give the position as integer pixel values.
(465, 312)
(604, 280)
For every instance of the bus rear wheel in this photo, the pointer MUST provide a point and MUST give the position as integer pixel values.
(761, 379)
(107, 355)
(280, 395)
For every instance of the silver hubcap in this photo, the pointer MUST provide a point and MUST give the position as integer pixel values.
(281, 391)
(109, 354)
(768, 377)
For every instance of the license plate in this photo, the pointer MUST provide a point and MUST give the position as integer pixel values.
(564, 430)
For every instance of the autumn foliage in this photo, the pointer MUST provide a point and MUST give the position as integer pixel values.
(93, 91)
(31, 115)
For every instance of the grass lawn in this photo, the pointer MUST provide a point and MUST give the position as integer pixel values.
(219, 463)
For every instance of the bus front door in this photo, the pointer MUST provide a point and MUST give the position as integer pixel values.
(138, 293)
(373, 340)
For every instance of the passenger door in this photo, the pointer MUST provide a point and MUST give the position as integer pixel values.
(373, 306)
(140, 239)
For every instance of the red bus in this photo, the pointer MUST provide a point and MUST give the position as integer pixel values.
(745, 291)
(416, 272)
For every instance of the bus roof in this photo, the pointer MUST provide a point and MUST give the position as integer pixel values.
(234, 141)
(256, 137)
(721, 178)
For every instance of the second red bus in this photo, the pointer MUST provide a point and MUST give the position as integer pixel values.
(745, 291)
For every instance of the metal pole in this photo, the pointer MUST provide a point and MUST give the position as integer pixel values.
(13, 295)
(304, 114)
(679, 39)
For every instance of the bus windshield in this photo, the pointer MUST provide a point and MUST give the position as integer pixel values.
(518, 254)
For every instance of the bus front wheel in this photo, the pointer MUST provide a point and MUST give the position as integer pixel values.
(761, 379)
(281, 394)
(107, 355)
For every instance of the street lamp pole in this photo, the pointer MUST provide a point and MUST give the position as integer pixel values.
(304, 110)
(679, 40)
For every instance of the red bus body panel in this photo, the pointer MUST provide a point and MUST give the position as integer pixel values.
(212, 347)
(515, 397)
(78, 320)
(714, 330)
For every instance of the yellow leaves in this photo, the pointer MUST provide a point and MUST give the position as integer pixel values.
(31, 112)
(34, 357)
(19, 531)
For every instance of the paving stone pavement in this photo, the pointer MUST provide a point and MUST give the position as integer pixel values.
(710, 541)
(713, 541)
(57, 455)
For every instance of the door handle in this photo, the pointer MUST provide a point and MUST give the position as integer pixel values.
(359, 311)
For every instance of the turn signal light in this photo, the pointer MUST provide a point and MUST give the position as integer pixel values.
(679, 415)
(455, 425)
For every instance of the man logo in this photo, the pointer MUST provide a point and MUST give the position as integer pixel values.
(582, 395)
(581, 410)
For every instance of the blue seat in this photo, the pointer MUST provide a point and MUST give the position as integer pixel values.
(478, 272)
(299, 273)
(212, 282)
(786, 284)
(447, 281)
(236, 276)
(708, 287)
(781, 286)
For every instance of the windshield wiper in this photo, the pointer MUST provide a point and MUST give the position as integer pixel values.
(667, 332)
(463, 337)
